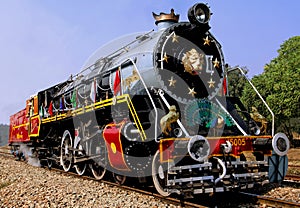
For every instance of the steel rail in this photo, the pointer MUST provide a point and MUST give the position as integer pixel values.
(264, 200)
(175, 201)
(292, 177)
(294, 166)
(272, 202)
(172, 200)
(5, 151)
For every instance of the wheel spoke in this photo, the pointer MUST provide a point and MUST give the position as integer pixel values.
(66, 156)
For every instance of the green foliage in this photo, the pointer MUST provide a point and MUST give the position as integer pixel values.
(279, 85)
(236, 82)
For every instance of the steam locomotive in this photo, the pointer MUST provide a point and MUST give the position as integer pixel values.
(153, 106)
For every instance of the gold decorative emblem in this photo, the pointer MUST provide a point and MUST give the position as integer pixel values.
(216, 63)
(193, 61)
(129, 80)
(192, 92)
(166, 17)
(172, 82)
(257, 117)
(168, 119)
(175, 38)
(165, 58)
(211, 83)
(206, 41)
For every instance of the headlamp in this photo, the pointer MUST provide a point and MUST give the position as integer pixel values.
(199, 14)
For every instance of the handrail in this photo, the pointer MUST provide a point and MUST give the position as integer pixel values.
(114, 52)
(259, 95)
(152, 102)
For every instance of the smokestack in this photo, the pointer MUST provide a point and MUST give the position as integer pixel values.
(164, 20)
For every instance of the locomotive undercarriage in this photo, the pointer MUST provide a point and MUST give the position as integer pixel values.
(214, 175)
(67, 155)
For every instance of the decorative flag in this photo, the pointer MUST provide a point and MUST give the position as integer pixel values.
(62, 103)
(74, 99)
(224, 86)
(41, 111)
(50, 109)
(93, 90)
(117, 82)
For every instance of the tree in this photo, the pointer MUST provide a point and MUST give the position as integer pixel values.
(279, 85)
(236, 82)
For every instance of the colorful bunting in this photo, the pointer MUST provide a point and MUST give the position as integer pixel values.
(93, 91)
(62, 103)
(117, 82)
(74, 99)
(224, 86)
(50, 109)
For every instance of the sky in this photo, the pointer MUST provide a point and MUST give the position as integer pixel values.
(43, 42)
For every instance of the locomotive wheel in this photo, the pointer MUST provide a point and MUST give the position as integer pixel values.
(98, 165)
(80, 167)
(159, 175)
(66, 155)
(97, 170)
(119, 179)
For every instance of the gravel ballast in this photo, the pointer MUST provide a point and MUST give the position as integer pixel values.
(23, 185)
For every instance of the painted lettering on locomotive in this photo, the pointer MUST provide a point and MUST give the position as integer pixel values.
(154, 108)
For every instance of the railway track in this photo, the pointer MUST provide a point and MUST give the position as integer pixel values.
(295, 178)
(265, 201)
(173, 200)
(252, 198)
(294, 166)
(5, 151)
(292, 181)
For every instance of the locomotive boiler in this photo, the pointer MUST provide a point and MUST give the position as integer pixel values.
(152, 106)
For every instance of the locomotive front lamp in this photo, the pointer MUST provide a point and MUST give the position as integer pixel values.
(199, 14)
(280, 144)
(227, 148)
(199, 148)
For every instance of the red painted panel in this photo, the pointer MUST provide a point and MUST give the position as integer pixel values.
(166, 148)
(112, 137)
(18, 129)
(239, 144)
(34, 125)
